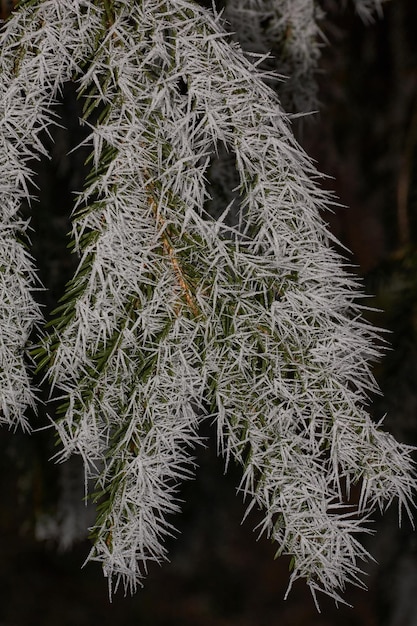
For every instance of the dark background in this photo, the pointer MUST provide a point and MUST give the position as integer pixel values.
(365, 137)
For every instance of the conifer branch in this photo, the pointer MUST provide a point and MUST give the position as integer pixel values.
(171, 311)
(366, 9)
(288, 33)
(289, 37)
(31, 70)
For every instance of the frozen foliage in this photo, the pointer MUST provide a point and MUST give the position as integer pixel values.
(33, 66)
(18, 311)
(173, 316)
(289, 31)
(23, 115)
(366, 9)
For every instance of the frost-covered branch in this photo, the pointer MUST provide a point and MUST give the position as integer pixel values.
(289, 31)
(173, 314)
(33, 65)
(289, 34)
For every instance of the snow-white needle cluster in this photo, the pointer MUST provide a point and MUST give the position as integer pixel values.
(33, 66)
(288, 34)
(289, 30)
(173, 315)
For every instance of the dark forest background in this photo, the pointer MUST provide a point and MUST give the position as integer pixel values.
(365, 139)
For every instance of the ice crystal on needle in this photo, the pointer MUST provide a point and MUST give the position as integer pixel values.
(173, 315)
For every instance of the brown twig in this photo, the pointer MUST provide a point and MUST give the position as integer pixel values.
(169, 249)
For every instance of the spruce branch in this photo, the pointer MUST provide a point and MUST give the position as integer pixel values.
(287, 36)
(33, 64)
(288, 33)
(173, 315)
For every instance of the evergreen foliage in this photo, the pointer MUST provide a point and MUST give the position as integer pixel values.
(248, 319)
(287, 35)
